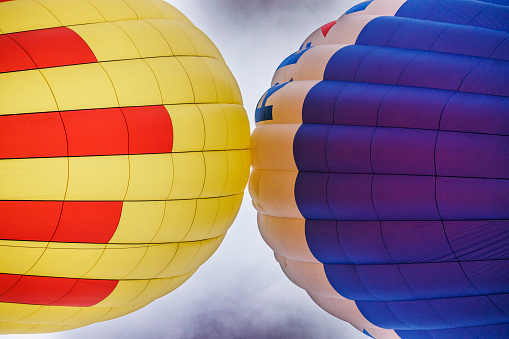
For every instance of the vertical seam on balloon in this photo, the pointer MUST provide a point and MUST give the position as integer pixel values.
(139, 294)
(70, 290)
(501, 42)
(161, 34)
(187, 36)
(394, 33)
(221, 66)
(130, 39)
(154, 7)
(485, 8)
(339, 243)
(60, 22)
(98, 11)
(192, 221)
(128, 157)
(139, 262)
(192, 89)
(436, 6)
(489, 297)
(160, 224)
(213, 81)
(406, 65)
(215, 217)
(466, 76)
(336, 104)
(362, 61)
(169, 261)
(155, 77)
(132, 9)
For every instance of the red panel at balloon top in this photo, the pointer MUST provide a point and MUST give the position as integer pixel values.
(13, 57)
(326, 28)
(52, 47)
(54, 291)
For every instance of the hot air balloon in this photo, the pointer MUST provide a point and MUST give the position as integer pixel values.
(123, 158)
(381, 168)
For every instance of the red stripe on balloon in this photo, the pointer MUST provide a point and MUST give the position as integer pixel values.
(13, 57)
(326, 28)
(54, 291)
(70, 221)
(52, 47)
(108, 131)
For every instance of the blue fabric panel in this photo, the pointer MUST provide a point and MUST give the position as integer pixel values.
(469, 311)
(502, 51)
(421, 317)
(416, 334)
(416, 34)
(472, 198)
(362, 242)
(490, 331)
(446, 333)
(322, 240)
(385, 65)
(418, 9)
(489, 277)
(345, 280)
(265, 112)
(403, 151)
(348, 149)
(494, 17)
(344, 63)
(379, 314)
(318, 107)
(359, 7)
(465, 155)
(437, 280)
(490, 77)
(416, 241)
(456, 12)
(311, 195)
(349, 196)
(413, 107)
(496, 2)
(501, 301)
(479, 239)
(476, 113)
(294, 58)
(358, 104)
(366, 333)
(379, 31)
(405, 197)
(309, 148)
(385, 282)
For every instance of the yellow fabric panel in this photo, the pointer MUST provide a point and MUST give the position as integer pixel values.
(50, 315)
(221, 81)
(168, 11)
(227, 206)
(113, 10)
(16, 87)
(139, 222)
(35, 16)
(175, 37)
(33, 179)
(207, 248)
(124, 293)
(189, 175)
(116, 312)
(237, 125)
(216, 129)
(172, 79)
(150, 176)
(197, 38)
(180, 263)
(69, 260)
(15, 328)
(135, 83)
(206, 213)
(80, 87)
(98, 178)
(156, 258)
(188, 127)
(234, 86)
(84, 316)
(216, 174)
(107, 41)
(238, 164)
(72, 12)
(143, 9)
(178, 218)
(17, 257)
(147, 39)
(201, 79)
(15, 312)
(157, 288)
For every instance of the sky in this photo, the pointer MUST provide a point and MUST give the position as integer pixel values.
(240, 292)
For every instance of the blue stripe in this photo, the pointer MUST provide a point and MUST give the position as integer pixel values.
(359, 7)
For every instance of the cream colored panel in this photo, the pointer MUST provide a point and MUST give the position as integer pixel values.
(35, 16)
(216, 174)
(173, 80)
(311, 66)
(17, 87)
(139, 222)
(178, 218)
(33, 179)
(157, 257)
(148, 40)
(189, 175)
(98, 178)
(216, 129)
(107, 41)
(135, 83)
(381, 7)
(113, 10)
(203, 84)
(80, 87)
(188, 127)
(150, 176)
(17, 257)
(176, 38)
(274, 147)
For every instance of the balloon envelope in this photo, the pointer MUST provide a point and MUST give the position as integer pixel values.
(123, 158)
(381, 167)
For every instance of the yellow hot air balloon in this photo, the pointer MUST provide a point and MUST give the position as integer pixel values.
(123, 158)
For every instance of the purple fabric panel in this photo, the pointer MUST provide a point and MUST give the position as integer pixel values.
(494, 17)
(438, 70)
(405, 197)
(488, 277)
(469, 311)
(344, 63)
(491, 331)
(420, 311)
(490, 77)
(501, 301)
(437, 280)
(446, 333)
(385, 282)
(416, 241)
(318, 107)
(359, 103)
(468, 112)
(348, 149)
(502, 51)
(472, 198)
(362, 242)
(479, 239)
(349, 196)
(309, 148)
(472, 155)
(379, 314)
(345, 280)
(403, 151)
(379, 31)
(311, 195)
(322, 239)
(404, 37)
(456, 12)
(413, 107)
(385, 65)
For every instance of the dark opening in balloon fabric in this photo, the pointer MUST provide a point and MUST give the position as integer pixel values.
(381, 168)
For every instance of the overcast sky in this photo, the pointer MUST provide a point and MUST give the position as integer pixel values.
(241, 291)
